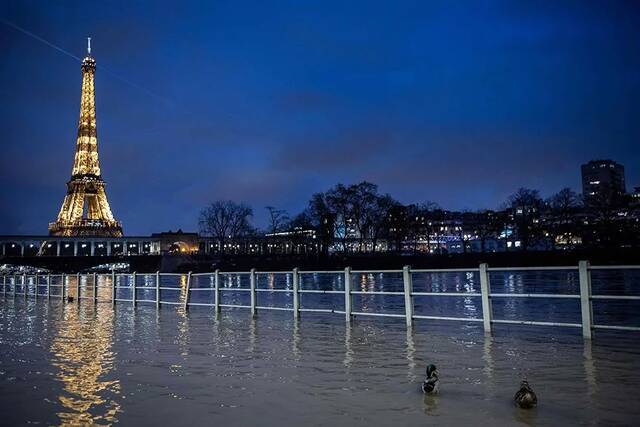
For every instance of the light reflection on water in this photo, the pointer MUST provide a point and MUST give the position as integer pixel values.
(85, 364)
(81, 352)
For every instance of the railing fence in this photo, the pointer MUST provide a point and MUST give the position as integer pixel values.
(61, 286)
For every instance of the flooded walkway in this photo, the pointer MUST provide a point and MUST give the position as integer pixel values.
(63, 363)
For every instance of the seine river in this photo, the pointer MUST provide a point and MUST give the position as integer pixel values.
(86, 363)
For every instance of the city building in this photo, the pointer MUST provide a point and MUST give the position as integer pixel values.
(602, 180)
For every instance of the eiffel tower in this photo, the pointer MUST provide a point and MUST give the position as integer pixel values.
(85, 210)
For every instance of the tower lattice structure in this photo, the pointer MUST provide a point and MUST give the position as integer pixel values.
(85, 210)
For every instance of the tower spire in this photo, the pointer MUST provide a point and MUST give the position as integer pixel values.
(85, 210)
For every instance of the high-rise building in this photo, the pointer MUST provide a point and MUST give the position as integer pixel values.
(602, 179)
(85, 210)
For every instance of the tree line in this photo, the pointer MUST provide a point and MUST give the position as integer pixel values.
(359, 218)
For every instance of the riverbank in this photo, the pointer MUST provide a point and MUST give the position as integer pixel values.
(396, 261)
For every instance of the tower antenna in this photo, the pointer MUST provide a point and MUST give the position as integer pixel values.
(89, 45)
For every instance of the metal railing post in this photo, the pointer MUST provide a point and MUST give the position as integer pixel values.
(62, 288)
(585, 299)
(408, 298)
(36, 282)
(347, 294)
(296, 295)
(157, 289)
(113, 287)
(78, 288)
(485, 290)
(133, 289)
(95, 288)
(186, 295)
(252, 283)
(4, 285)
(216, 285)
(48, 286)
(24, 284)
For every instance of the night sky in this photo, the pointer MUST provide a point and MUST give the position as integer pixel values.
(459, 103)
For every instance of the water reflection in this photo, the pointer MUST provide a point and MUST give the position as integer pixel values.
(82, 353)
(348, 349)
(589, 368)
(411, 351)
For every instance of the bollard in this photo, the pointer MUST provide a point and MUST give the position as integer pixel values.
(186, 295)
(133, 289)
(157, 289)
(113, 287)
(252, 283)
(485, 289)
(95, 288)
(585, 299)
(216, 284)
(408, 298)
(347, 294)
(296, 295)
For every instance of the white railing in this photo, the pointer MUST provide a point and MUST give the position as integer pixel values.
(61, 286)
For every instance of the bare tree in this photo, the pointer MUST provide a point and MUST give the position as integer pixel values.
(564, 206)
(226, 220)
(526, 205)
(278, 219)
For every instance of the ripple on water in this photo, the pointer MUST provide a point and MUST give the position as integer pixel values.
(80, 365)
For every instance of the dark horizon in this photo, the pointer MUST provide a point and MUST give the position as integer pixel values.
(268, 105)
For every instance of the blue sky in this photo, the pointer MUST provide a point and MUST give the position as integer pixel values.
(459, 103)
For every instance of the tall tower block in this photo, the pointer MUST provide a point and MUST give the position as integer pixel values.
(85, 210)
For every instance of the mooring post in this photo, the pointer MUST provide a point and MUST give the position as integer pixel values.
(216, 285)
(113, 287)
(585, 299)
(485, 290)
(296, 295)
(78, 288)
(133, 289)
(157, 289)
(48, 286)
(408, 298)
(252, 283)
(95, 288)
(186, 295)
(347, 294)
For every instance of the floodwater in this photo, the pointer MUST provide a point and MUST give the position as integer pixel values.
(94, 363)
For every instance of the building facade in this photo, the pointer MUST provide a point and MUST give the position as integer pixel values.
(602, 180)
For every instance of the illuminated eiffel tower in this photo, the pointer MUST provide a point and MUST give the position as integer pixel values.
(85, 210)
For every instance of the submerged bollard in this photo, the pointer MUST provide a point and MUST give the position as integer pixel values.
(216, 285)
(485, 289)
(157, 289)
(586, 307)
(408, 298)
(252, 284)
(296, 295)
(186, 295)
(347, 294)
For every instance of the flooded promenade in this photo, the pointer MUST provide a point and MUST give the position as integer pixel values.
(71, 364)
